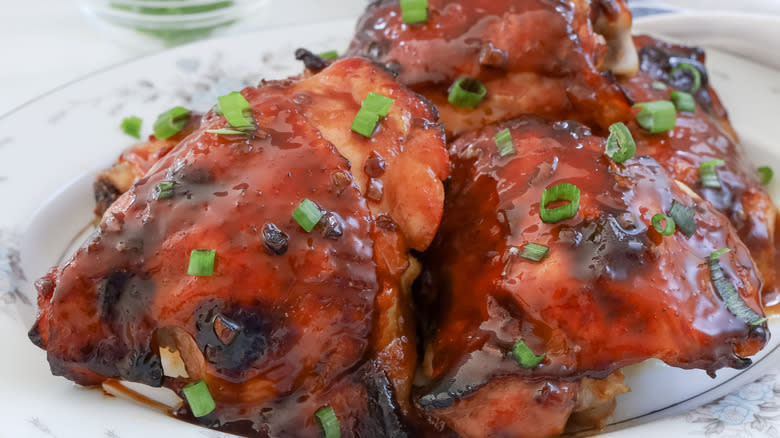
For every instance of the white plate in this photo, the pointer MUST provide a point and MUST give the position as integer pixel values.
(51, 147)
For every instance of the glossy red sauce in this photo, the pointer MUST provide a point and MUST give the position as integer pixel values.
(701, 136)
(533, 56)
(612, 291)
(324, 322)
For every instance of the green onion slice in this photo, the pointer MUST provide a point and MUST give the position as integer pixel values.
(199, 398)
(227, 131)
(534, 252)
(328, 422)
(620, 143)
(163, 190)
(171, 122)
(684, 218)
(668, 228)
(202, 262)
(504, 142)
(330, 54)
(236, 110)
(657, 116)
(560, 192)
(132, 126)
(658, 85)
(524, 356)
(683, 101)
(467, 92)
(414, 11)
(766, 173)
(729, 293)
(708, 173)
(693, 71)
(307, 215)
(376, 103)
(365, 122)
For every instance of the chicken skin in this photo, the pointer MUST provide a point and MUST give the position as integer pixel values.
(612, 290)
(703, 135)
(290, 321)
(134, 163)
(573, 60)
(533, 56)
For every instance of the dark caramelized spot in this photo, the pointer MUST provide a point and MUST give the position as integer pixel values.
(186, 173)
(250, 339)
(374, 166)
(142, 367)
(310, 60)
(105, 195)
(385, 418)
(331, 226)
(122, 296)
(275, 240)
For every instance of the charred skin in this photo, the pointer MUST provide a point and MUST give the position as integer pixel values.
(133, 164)
(608, 272)
(534, 56)
(705, 135)
(278, 331)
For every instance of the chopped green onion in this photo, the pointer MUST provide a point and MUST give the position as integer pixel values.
(199, 398)
(202, 262)
(163, 190)
(524, 356)
(227, 131)
(729, 293)
(307, 215)
(330, 54)
(132, 126)
(236, 110)
(535, 252)
(171, 122)
(365, 122)
(467, 92)
(658, 85)
(684, 218)
(376, 103)
(504, 142)
(669, 225)
(708, 173)
(658, 116)
(715, 255)
(328, 422)
(693, 71)
(683, 101)
(560, 192)
(414, 11)
(620, 144)
(766, 173)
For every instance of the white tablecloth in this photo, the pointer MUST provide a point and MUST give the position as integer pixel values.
(46, 43)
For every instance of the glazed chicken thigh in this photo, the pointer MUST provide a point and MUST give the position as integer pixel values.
(290, 321)
(533, 56)
(703, 135)
(573, 60)
(612, 291)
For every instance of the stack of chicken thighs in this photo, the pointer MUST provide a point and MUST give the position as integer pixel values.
(522, 222)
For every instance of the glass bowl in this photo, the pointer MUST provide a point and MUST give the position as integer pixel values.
(154, 24)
